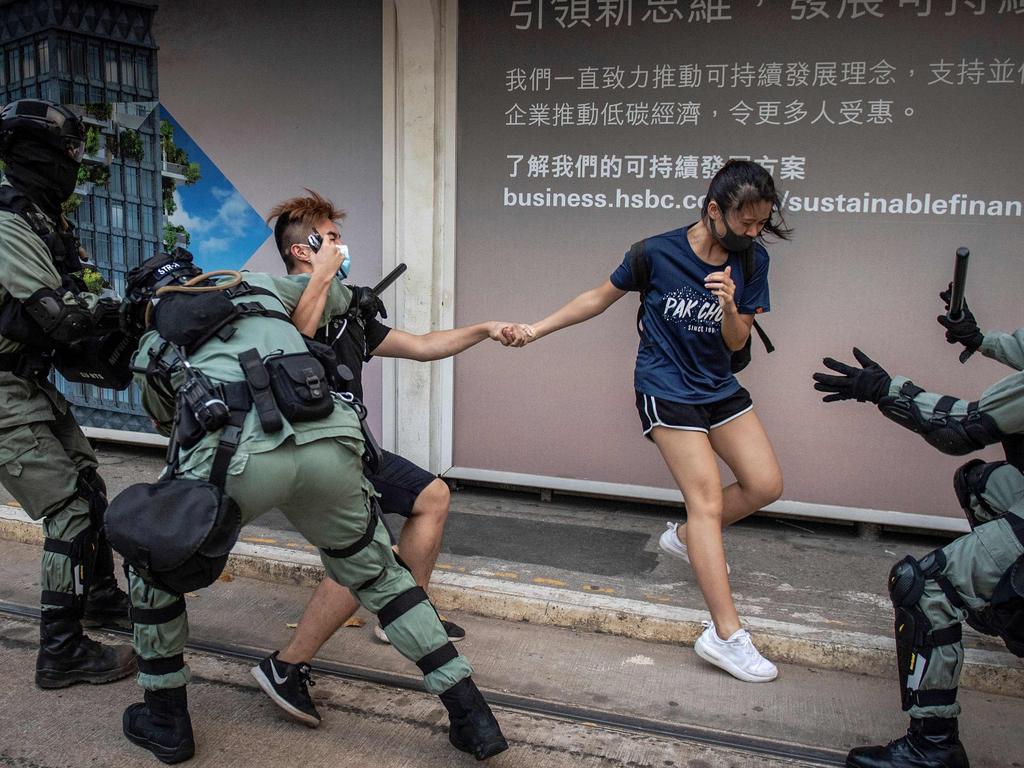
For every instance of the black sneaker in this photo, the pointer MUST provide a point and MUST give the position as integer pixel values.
(287, 686)
(455, 632)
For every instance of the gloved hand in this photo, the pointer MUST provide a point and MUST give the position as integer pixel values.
(963, 330)
(869, 383)
(368, 303)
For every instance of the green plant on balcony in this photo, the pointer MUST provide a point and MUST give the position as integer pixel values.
(99, 110)
(130, 145)
(171, 233)
(69, 206)
(92, 140)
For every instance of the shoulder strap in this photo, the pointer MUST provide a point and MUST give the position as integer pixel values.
(747, 265)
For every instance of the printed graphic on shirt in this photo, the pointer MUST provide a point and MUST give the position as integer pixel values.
(697, 311)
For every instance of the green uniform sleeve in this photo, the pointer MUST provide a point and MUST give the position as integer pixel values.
(158, 404)
(1003, 401)
(25, 266)
(1007, 348)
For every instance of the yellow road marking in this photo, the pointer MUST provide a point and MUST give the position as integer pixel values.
(506, 574)
(602, 590)
(549, 582)
(258, 540)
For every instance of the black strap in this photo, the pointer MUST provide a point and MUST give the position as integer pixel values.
(63, 599)
(944, 406)
(358, 546)
(230, 436)
(910, 390)
(158, 615)
(948, 636)
(401, 604)
(162, 666)
(58, 547)
(937, 698)
(259, 383)
(437, 658)
(1016, 525)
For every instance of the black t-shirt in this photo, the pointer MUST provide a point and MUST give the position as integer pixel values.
(353, 339)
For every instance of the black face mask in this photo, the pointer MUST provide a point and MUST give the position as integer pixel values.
(46, 175)
(731, 241)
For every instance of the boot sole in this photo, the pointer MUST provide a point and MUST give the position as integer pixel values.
(485, 751)
(170, 756)
(50, 680)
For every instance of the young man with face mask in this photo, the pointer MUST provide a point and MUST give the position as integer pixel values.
(405, 489)
(46, 463)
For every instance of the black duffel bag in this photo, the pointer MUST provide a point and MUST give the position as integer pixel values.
(175, 533)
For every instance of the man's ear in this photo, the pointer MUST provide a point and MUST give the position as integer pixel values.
(299, 253)
(713, 210)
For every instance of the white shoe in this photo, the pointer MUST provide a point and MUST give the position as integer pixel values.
(670, 544)
(737, 655)
(380, 634)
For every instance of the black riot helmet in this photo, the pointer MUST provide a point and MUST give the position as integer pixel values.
(42, 145)
(44, 122)
(146, 279)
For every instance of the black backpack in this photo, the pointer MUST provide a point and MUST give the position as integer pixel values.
(641, 270)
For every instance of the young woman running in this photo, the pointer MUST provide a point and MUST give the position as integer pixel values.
(698, 309)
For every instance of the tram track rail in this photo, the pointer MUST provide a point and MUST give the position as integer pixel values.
(803, 755)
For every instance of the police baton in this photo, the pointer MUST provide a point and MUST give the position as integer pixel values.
(390, 278)
(956, 293)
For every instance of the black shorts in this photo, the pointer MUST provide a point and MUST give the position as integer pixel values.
(655, 412)
(399, 482)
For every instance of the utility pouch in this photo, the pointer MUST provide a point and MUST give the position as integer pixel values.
(17, 325)
(258, 376)
(300, 386)
(338, 376)
(175, 533)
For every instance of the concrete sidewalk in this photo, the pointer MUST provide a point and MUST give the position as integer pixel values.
(811, 593)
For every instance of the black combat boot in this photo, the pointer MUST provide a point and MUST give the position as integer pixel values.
(161, 724)
(67, 656)
(473, 727)
(107, 606)
(931, 742)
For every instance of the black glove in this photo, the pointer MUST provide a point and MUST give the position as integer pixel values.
(964, 330)
(869, 383)
(368, 303)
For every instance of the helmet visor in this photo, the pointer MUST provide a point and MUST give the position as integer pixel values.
(75, 149)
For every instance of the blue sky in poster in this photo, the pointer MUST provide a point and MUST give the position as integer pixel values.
(225, 229)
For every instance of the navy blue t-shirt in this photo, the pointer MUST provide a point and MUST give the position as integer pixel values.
(682, 355)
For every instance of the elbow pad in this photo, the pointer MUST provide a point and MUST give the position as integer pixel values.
(955, 435)
(59, 321)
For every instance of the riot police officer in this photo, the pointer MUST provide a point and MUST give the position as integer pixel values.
(46, 462)
(233, 382)
(979, 577)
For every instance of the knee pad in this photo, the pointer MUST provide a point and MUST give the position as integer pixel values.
(914, 635)
(81, 552)
(969, 483)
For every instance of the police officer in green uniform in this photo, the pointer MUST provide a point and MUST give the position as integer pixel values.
(308, 466)
(46, 462)
(979, 577)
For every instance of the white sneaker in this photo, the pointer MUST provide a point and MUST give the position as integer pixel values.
(670, 544)
(737, 655)
(380, 634)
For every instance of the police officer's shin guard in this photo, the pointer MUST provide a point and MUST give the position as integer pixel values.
(931, 742)
(162, 725)
(67, 656)
(473, 727)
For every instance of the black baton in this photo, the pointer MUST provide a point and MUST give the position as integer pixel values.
(957, 291)
(388, 279)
